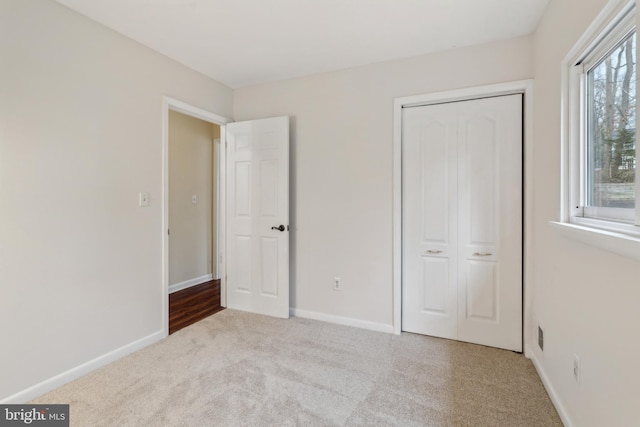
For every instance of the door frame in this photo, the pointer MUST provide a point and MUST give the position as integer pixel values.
(171, 104)
(524, 87)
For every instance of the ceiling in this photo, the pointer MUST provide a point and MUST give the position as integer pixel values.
(246, 42)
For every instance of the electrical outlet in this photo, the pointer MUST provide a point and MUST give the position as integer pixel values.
(540, 338)
(337, 283)
(576, 368)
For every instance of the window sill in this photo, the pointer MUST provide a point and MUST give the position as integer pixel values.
(616, 242)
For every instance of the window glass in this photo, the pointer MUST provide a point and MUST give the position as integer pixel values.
(611, 128)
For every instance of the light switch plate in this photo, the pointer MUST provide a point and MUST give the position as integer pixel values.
(144, 199)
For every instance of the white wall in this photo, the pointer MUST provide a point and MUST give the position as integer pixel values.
(586, 299)
(341, 166)
(190, 173)
(80, 137)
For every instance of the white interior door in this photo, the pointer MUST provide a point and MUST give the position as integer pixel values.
(257, 184)
(462, 221)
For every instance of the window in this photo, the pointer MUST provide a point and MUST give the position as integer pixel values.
(602, 134)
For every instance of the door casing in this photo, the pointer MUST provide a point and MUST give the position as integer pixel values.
(524, 87)
(189, 110)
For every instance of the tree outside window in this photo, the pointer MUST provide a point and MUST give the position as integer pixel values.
(611, 144)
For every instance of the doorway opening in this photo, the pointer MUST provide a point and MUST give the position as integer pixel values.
(193, 214)
(193, 237)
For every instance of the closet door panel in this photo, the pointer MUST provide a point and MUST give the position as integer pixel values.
(429, 222)
(490, 222)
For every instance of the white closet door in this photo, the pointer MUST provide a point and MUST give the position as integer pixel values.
(490, 222)
(462, 221)
(429, 220)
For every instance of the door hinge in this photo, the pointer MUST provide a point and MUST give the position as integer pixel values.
(168, 232)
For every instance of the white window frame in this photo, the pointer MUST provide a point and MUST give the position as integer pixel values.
(604, 228)
(595, 44)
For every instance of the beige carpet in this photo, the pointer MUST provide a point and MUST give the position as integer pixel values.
(235, 369)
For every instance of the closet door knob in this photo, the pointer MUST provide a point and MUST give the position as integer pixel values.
(280, 228)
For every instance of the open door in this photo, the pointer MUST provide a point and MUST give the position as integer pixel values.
(257, 199)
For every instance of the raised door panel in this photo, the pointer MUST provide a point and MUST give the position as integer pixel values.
(434, 182)
(242, 187)
(479, 140)
(239, 207)
(269, 188)
(269, 255)
(242, 276)
(481, 288)
(434, 286)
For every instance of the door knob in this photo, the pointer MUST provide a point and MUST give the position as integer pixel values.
(280, 228)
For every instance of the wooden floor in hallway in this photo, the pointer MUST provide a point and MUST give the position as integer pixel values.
(193, 304)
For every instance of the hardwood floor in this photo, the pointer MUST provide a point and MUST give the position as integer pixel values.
(193, 304)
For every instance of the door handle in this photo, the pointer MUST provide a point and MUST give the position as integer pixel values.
(431, 251)
(482, 254)
(280, 228)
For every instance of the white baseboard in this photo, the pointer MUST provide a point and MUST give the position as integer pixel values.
(188, 283)
(75, 373)
(528, 353)
(551, 391)
(346, 321)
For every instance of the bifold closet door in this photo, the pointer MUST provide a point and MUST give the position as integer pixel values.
(429, 220)
(462, 221)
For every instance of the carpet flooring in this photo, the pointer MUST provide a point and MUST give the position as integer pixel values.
(241, 369)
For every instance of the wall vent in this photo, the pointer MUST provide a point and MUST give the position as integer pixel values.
(540, 338)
